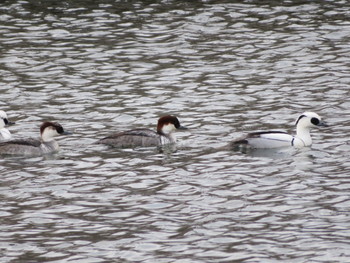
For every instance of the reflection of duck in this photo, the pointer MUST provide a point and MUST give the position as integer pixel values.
(275, 139)
(4, 133)
(47, 144)
(145, 137)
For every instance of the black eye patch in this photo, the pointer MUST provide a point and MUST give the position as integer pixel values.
(59, 129)
(177, 124)
(6, 121)
(315, 121)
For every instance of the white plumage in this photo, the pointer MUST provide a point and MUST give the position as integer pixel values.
(5, 134)
(276, 139)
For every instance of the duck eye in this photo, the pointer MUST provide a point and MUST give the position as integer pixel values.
(315, 121)
(59, 130)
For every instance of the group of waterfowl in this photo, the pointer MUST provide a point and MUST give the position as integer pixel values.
(147, 138)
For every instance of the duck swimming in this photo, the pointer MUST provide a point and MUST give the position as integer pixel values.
(145, 137)
(276, 139)
(47, 144)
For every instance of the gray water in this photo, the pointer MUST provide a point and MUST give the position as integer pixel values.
(223, 68)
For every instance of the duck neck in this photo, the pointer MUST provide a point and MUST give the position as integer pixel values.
(49, 146)
(172, 137)
(167, 137)
(304, 134)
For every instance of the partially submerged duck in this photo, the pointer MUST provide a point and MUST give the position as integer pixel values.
(276, 139)
(166, 127)
(47, 143)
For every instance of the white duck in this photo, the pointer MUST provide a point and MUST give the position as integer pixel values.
(276, 139)
(5, 134)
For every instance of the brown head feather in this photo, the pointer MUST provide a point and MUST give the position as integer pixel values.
(54, 125)
(166, 120)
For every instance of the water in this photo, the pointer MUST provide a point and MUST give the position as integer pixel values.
(224, 68)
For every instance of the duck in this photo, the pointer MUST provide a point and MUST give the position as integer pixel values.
(141, 137)
(5, 134)
(276, 139)
(46, 144)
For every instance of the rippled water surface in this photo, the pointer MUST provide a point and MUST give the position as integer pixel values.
(224, 68)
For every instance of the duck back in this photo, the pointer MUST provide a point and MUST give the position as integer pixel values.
(133, 138)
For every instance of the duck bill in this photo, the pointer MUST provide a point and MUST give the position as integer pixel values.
(66, 133)
(182, 128)
(323, 124)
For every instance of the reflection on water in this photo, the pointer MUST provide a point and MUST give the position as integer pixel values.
(279, 153)
(224, 68)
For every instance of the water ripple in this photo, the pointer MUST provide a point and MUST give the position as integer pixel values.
(224, 69)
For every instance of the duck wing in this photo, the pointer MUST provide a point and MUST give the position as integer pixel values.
(25, 142)
(265, 139)
(20, 147)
